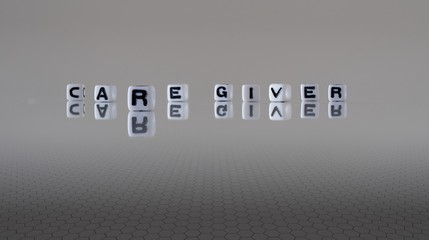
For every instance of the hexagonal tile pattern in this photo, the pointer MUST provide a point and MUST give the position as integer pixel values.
(212, 190)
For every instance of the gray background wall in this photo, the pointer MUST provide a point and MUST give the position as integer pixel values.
(378, 48)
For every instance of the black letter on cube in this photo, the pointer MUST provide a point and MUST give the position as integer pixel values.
(102, 94)
(139, 94)
(174, 92)
(309, 92)
(336, 90)
(223, 94)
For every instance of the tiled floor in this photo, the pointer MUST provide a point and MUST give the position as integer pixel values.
(214, 192)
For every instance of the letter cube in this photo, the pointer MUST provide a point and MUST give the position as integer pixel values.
(337, 92)
(141, 98)
(141, 124)
(105, 93)
(250, 110)
(279, 111)
(309, 92)
(75, 92)
(177, 110)
(280, 92)
(75, 109)
(223, 110)
(223, 92)
(105, 111)
(177, 92)
(250, 93)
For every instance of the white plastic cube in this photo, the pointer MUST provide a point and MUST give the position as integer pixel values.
(309, 110)
(105, 93)
(279, 111)
(280, 92)
(75, 92)
(178, 110)
(105, 111)
(337, 110)
(250, 110)
(223, 110)
(250, 93)
(337, 92)
(223, 92)
(310, 92)
(75, 109)
(177, 92)
(141, 124)
(141, 98)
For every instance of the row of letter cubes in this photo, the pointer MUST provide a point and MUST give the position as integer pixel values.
(222, 110)
(142, 97)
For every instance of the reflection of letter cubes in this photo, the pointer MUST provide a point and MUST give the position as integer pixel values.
(141, 98)
(177, 92)
(309, 92)
(280, 111)
(337, 110)
(75, 109)
(223, 110)
(250, 111)
(75, 92)
(280, 92)
(105, 111)
(141, 124)
(177, 110)
(337, 92)
(309, 110)
(250, 93)
(223, 92)
(105, 93)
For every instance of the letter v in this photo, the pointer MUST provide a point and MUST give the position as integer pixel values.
(276, 94)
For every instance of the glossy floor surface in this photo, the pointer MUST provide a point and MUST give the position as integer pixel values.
(208, 178)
